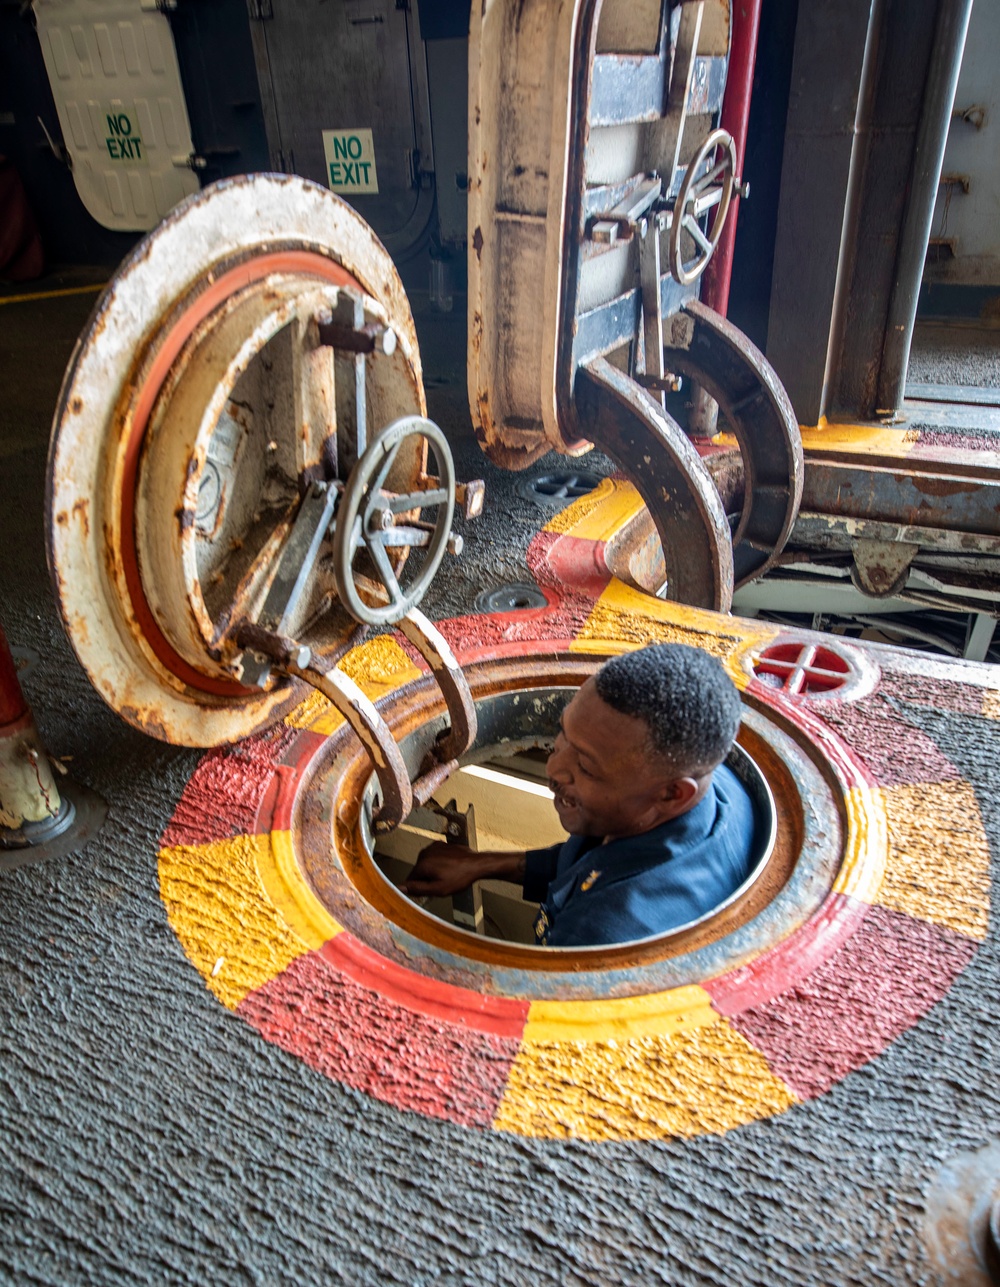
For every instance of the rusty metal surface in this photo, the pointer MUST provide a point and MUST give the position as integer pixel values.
(214, 256)
(881, 568)
(906, 492)
(658, 458)
(436, 651)
(711, 351)
(544, 165)
(380, 747)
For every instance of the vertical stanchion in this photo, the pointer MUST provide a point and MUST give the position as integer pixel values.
(32, 810)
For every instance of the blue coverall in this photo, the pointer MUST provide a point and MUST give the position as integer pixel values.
(593, 893)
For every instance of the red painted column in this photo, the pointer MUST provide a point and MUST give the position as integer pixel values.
(12, 703)
(735, 115)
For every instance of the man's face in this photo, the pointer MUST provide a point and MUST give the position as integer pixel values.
(605, 781)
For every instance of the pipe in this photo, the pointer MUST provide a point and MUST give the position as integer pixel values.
(12, 703)
(928, 157)
(735, 116)
(28, 793)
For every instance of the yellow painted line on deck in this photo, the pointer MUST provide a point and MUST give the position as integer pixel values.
(599, 515)
(866, 845)
(378, 666)
(620, 1018)
(939, 868)
(693, 1080)
(225, 919)
(289, 891)
(860, 440)
(52, 294)
(623, 619)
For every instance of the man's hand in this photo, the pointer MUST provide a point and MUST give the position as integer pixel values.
(441, 870)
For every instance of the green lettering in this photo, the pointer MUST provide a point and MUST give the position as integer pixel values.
(113, 149)
(353, 142)
(113, 126)
(340, 147)
(335, 172)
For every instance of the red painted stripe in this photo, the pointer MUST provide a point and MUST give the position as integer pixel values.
(897, 752)
(880, 983)
(923, 691)
(444, 1002)
(850, 768)
(223, 796)
(784, 966)
(364, 1038)
(276, 809)
(572, 561)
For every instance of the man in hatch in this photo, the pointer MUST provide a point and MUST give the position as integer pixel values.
(660, 830)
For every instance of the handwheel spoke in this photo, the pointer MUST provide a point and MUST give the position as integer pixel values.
(691, 226)
(403, 536)
(383, 472)
(380, 558)
(399, 504)
(704, 203)
(708, 179)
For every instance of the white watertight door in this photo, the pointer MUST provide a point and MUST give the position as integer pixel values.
(113, 70)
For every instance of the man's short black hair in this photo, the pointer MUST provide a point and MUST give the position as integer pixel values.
(683, 695)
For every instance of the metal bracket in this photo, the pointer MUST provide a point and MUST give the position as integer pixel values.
(458, 828)
(295, 565)
(398, 794)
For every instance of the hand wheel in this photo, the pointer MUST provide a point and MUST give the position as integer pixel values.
(699, 192)
(379, 530)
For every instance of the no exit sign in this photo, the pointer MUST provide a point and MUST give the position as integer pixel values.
(350, 161)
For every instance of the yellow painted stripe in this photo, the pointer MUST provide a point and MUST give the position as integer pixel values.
(939, 857)
(681, 1083)
(620, 1018)
(289, 891)
(623, 618)
(866, 844)
(52, 294)
(991, 703)
(378, 666)
(224, 918)
(600, 514)
(861, 440)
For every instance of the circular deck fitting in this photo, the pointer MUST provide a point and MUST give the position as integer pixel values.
(558, 487)
(812, 670)
(518, 707)
(517, 596)
(198, 404)
(723, 1023)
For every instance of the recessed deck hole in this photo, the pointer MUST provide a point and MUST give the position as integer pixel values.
(516, 596)
(499, 800)
(558, 487)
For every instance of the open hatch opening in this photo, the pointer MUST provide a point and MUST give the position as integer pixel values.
(502, 801)
(499, 804)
